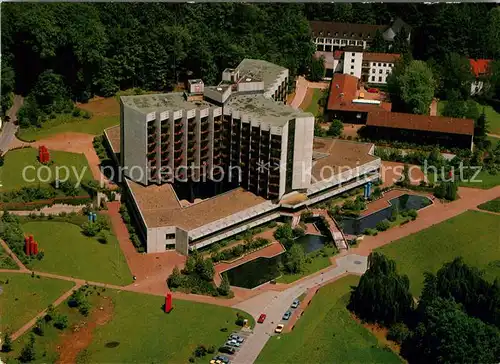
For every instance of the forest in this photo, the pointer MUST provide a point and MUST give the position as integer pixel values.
(57, 52)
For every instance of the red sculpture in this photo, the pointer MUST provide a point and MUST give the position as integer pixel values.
(168, 302)
(43, 154)
(30, 246)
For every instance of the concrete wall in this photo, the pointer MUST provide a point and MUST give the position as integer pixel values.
(379, 70)
(134, 144)
(302, 154)
(352, 63)
(181, 241)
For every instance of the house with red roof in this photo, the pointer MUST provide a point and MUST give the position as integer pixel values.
(480, 69)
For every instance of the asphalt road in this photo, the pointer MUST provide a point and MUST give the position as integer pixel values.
(275, 304)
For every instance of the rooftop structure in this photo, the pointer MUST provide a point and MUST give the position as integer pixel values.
(480, 69)
(439, 124)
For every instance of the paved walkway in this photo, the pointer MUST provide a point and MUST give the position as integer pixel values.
(301, 87)
(5, 247)
(274, 304)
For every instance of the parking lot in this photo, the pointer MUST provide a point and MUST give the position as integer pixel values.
(235, 340)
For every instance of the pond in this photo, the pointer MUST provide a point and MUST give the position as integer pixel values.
(356, 226)
(311, 242)
(262, 270)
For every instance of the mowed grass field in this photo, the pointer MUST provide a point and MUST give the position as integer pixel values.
(327, 333)
(25, 296)
(68, 252)
(474, 235)
(492, 116)
(148, 335)
(11, 173)
(311, 101)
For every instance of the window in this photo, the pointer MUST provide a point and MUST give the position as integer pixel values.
(328, 34)
(373, 70)
(361, 35)
(390, 65)
(352, 42)
(380, 79)
(379, 64)
(352, 60)
(336, 34)
(345, 34)
(344, 41)
(315, 40)
(352, 35)
(385, 64)
(170, 236)
(336, 41)
(360, 42)
(352, 67)
(353, 54)
(380, 71)
(352, 73)
(387, 72)
(368, 36)
(373, 78)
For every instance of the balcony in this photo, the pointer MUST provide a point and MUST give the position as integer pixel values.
(178, 160)
(165, 160)
(179, 133)
(178, 142)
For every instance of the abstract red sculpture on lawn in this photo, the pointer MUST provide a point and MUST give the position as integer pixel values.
(168, 302)
(43, 154)
(30, 246)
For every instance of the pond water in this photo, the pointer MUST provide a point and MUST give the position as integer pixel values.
(262, 270)
(311, 242)
(356, 226)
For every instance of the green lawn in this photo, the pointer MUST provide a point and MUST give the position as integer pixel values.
(493, 205)
(11, 173)
(6, 262)
(473, 235)
(68, 252)
(314, 107)
(23, 297)
(317, 263)
(326, 333)
(492, 116)
(147, 335)
(68, 123)
(487, 179)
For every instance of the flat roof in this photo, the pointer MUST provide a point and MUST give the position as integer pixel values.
(439, 124)
(260, 70)
(333, 156)
(160, 207)
(113, 134)
(264, 109)
(162, 102)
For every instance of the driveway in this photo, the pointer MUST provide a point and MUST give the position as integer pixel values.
(275, 304)
(9, 129)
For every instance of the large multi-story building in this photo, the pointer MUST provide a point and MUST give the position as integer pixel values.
(213, 161)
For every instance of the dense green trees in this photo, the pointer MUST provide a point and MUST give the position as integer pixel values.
(295, 259)
(316, 70)
(99, 48)
(382, 294)
(446, 334)
(411, 86)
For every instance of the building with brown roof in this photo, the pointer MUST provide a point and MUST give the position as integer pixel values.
(329, 36)
(345, 104)
(481, 70)
(424, 129)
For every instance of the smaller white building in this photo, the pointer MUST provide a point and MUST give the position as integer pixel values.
(369, 67)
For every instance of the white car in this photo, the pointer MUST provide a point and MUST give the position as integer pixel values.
(279, 328)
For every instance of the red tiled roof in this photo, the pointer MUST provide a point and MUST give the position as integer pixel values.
(343, 90)
(479, 66)
(440, 124)
(380, 57)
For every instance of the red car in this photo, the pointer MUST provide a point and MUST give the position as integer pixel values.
(262, 317)
(373, 90)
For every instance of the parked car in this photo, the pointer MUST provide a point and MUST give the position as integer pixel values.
(233, 343)
(279, 328)
(227, 350)
(262, 318)
(222, 358)
(237, 338)
(295, 304)
(373, 90)
(287, 315)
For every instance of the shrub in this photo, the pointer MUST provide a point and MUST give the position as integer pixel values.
(39, 327)
(371, 232)
(398, 332)
(61, 322)
(211, 349)
(200, 351)
(28, 353)
(7, 343)
(102, 237)
(383, 225)
(76, 112)
(86, 115)
(413, 214)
